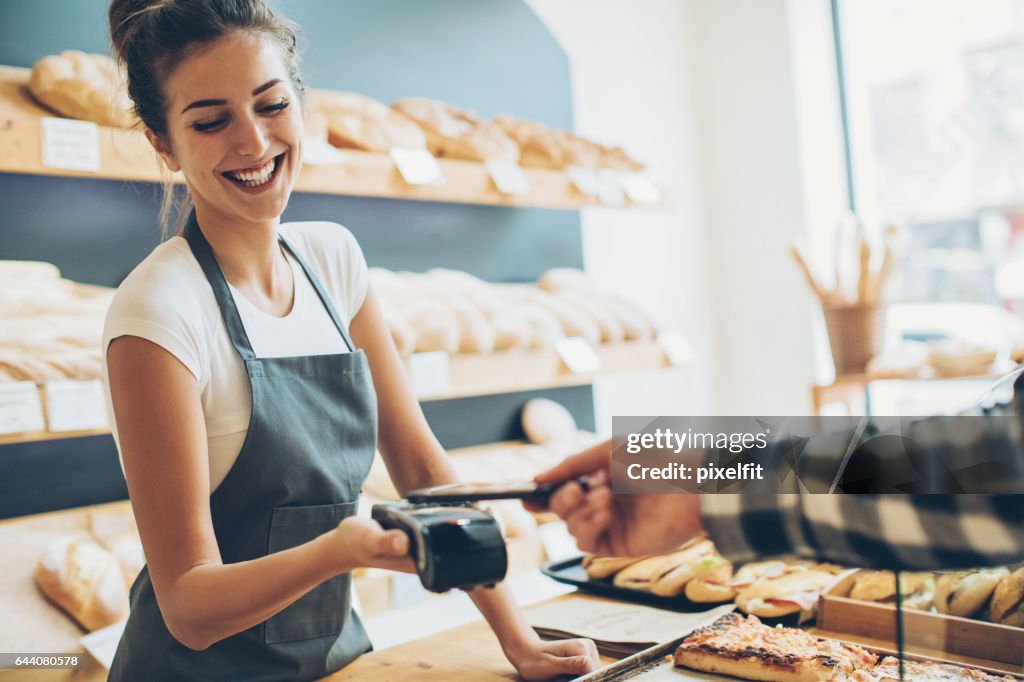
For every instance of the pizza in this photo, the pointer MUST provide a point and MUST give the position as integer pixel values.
(745, 647)
(922, 671)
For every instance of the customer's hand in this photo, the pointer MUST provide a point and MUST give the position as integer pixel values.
(537, 659)
(618, 525)
(360, 542)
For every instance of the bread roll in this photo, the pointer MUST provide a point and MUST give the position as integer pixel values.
(644, 574)
(435, 326)
(607, 322)
(964, 593)
(599, 567)
(688, 563)
(82, 86)
(546, 421)
(881, 585)
(1008, 600)
(787, 594)
(573, 322)
(558, 279)
(84, 580)
(711, 583)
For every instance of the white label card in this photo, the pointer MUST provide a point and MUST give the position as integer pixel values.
(75, 405)
(508, 177)
(74, 145)
(676, 348)
(578, 355)
(429, 373)
(610, 188)
(20, 409)
(321, 153)
(585, 180)
(417, 166)
(639, 188)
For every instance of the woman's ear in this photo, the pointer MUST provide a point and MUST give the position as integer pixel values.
(164, 150)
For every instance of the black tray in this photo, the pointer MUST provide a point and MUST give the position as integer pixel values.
(570, 572)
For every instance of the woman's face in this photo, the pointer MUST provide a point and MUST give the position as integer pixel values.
(234, 126)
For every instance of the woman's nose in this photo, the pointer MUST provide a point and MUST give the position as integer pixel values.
(250, 138)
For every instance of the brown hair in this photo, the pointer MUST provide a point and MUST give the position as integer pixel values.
(151, 37)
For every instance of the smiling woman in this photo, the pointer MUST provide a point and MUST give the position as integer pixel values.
(238, 361)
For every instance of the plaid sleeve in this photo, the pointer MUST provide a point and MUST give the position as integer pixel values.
(980, 450)
(875, 531)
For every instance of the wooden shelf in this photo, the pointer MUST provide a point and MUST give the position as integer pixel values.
(126, 155)
(481, 374)
(518, 370)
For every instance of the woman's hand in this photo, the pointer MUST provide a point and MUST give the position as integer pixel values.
(359, 542)
(536, 659)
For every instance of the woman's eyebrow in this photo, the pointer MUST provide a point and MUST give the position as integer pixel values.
(220, 102)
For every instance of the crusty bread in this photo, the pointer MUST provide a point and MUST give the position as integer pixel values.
(964, 593)
(671, 570)
(82, 86)
(356, 121)
(1008, 600)
(457, 133)
(84, 580)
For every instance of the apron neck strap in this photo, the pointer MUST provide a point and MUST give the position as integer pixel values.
(204, 254)
(324, 298)
(229, 311)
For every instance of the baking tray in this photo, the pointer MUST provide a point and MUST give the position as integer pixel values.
(656, 665)
(570, 572)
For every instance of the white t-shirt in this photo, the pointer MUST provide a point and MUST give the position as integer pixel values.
(166, 299)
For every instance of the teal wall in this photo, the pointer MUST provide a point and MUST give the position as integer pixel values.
(493, 56)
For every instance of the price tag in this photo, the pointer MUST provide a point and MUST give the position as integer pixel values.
(75, 405)
(639, 188)
(430, 373)
(321, 153)
(417, 166)
(508, 177)
(578, 356)
(585, 180)
(74, 145)
(676, 348)
(610, 188)
(20, 409)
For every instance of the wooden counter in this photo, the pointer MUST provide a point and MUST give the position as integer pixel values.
(469, 653)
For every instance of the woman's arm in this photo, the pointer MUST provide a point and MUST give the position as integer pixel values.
(415, 459)
(162, 434)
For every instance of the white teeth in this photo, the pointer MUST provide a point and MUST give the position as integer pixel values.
(255, 178)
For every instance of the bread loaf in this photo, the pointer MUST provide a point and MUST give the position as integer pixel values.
(456, 133)
(84, 580)
(435, 326)
(356, 121)
(964, 593)
(82, 86)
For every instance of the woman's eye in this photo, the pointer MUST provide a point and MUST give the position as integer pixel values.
(276, 107)
(207, 126)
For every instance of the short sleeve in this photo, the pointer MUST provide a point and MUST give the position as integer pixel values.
(358, 275)
(158, 303)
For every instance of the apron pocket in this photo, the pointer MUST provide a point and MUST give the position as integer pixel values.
(323, 610)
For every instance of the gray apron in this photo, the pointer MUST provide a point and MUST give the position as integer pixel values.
(308, 449)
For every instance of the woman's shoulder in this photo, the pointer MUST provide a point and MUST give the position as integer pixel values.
(167, 285)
